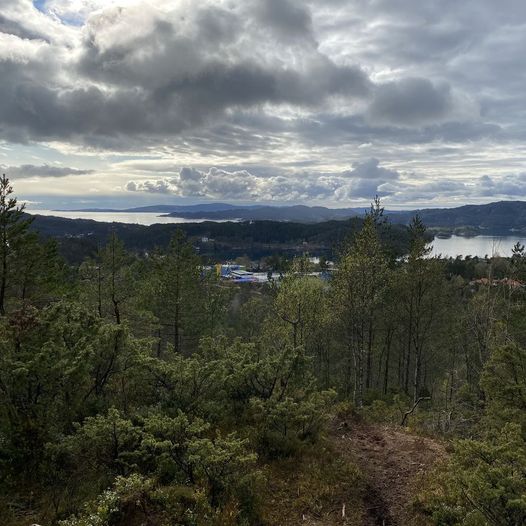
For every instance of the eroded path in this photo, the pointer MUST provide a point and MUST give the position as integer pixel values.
(393, 463)
(363, 474)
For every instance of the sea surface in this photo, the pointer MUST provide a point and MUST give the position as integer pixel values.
(476, 246)
(139, 218)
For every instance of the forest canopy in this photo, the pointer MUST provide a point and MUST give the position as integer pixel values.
(139, 388)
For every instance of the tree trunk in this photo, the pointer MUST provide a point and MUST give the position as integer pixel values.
(3, 278)
(387, 358)
(368, 371)
(417, 374)
(408, 353)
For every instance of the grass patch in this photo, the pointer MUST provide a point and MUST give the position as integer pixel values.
(313, 488)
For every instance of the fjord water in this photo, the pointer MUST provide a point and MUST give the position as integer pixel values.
(476, 246)
(138, 218)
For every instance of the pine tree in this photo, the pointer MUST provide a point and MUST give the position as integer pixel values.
(420, 295)
(176, 295)
(13, 230)
(359, 288)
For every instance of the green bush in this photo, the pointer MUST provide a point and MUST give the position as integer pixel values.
(483, 484)
(283, 427)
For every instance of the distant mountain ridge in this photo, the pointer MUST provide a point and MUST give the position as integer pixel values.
(299, 213)
(501, 216)
(217, 211)
(498, 217)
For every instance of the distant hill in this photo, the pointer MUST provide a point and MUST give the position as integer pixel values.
(225, 211)
(499, 217)
(299, 213)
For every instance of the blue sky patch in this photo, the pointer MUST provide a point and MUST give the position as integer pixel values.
(40, 5)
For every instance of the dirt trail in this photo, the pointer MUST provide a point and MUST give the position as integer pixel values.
(393, 463)
(362, 475)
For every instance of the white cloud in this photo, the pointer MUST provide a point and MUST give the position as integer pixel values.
(363, 182)
(79, 10)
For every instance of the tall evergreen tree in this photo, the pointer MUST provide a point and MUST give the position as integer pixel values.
(13, 229)
(175, 294)
(359, 287)
(420, 294)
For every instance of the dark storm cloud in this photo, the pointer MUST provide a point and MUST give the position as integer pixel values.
(33, 111)
(30, 170)
(165, 77)
(185, 66)
(148, 75)
(330, 129)
(411, 102)
(36, 111)
(473, 46)
(288, 18)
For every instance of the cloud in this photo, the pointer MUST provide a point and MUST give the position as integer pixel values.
(417, 102)
(22, 19)
(137, 73)
(277, 95)
(29, 170)
(364, 181)
(214, 183)
(15, 28)
(153, 70)
(371, 169)
(509, 185)
(367, 179)
(361, 183)
(483, 189)
(76, 10)
(287, 18)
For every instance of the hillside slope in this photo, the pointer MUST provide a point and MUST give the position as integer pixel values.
(501, 216)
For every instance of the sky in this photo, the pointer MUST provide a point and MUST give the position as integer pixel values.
(321, 102)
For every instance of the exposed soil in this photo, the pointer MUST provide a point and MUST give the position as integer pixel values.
(364, 474)
(393, 462)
